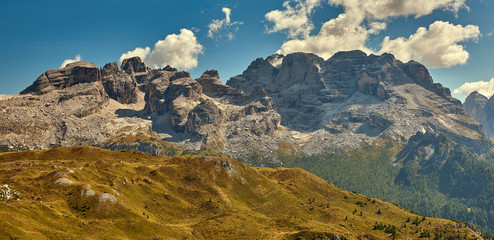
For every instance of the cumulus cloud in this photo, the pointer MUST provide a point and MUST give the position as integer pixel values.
(436, 47)
(177, 50)
(294, 19)
(362, 18)
(68, 61)
(484, 88)
(384, 9)
(346, 32)
(138, 52)
(225, 27)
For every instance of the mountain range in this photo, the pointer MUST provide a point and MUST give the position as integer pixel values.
(298, 99)
(298, 110)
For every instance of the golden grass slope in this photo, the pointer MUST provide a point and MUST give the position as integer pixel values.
(91, 193)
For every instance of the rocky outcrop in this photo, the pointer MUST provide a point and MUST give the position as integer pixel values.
(181, 96)
(299, 99)
(213, 87)
(206, 107)
(371, 86)
(118, 84)
(474, 105)
(258, 72)
(203, 114)
(155, 91)
(430, 149)
(136, 69)
(72, 74)
(481, 108)
(111, 81)
(309, 92)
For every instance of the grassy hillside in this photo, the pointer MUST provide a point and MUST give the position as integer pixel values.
(461, 188)
(87, 192)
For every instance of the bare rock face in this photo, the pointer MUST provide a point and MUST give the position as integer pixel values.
(202, 114)
(303, 82)
(205, 106)
(474, 106)
(430, 149)
(181, 96)
(256, 74)
(354, 97)
(213, 87)
(72, 74)
(480, 108)
(206, 111)
(299, 99)
(155, 91)
(118, 84)
(136, 69)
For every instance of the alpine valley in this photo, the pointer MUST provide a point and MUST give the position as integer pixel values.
(368, 124)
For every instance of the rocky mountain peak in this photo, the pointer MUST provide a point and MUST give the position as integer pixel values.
(340, 102)
(257, 73)
(169, 68)
(118, 84)
(475, 102)
(275, 59)
(211, 74)
(84, 64)
(480, 108)
(133, 65)
(354, 57)
(111, 67)
(180, 75)
(137, 69)
(72, 74)
(303, 83)
(212, 86)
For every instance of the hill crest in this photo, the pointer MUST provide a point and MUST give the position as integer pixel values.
(90, 192)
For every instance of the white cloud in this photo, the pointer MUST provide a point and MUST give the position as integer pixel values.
(68, 61)
(177, 50)
(384, 9)
(436, 47)
(484, 88)
(138, 52)
(225, 27)
(293, 19)
(362, 18)
(346, 32)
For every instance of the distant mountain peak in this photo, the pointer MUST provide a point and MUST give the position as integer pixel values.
(481, 108)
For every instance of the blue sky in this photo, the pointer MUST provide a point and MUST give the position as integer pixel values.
(456, 41)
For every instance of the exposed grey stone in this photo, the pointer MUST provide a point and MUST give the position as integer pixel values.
(72, 74)
(480, 108)
(118, 84)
